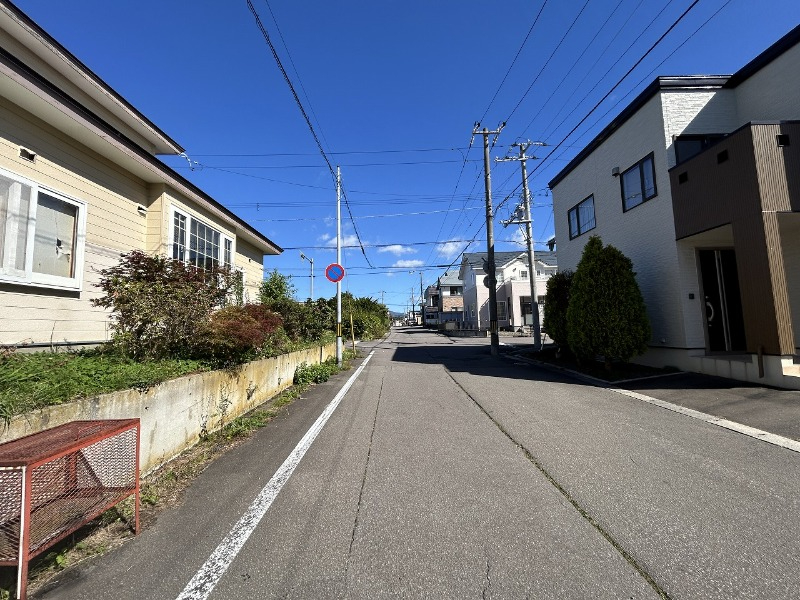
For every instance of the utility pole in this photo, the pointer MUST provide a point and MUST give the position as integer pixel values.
(421, 299)
(338, 262)
(526, 219)
(493, 329)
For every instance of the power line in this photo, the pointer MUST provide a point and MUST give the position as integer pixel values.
(602, 78)
(547, 62)
(305, 116)
(513, 62)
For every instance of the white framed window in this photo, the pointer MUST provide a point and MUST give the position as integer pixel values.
(523, 274)
(42, 235)
(197, 243)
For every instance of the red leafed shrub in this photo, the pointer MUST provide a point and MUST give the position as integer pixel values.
(239, 333)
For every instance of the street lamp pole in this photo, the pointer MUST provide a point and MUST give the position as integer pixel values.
(311, 260)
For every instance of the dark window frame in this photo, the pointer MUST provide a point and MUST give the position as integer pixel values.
(640, 166)
(575, 210)
(706, 141)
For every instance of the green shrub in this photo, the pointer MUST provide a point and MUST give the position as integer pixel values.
(160, 307)
(555, 307)
(606, 314)
(303, 321)
(306, 374)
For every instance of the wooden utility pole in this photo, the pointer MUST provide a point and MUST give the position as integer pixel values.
(492, 276)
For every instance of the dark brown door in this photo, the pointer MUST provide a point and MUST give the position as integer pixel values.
(723, 301)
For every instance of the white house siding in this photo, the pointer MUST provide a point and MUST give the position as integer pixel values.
(113, 225)
(250, 260)
(651, 249)
(690, 112)
(772, 93)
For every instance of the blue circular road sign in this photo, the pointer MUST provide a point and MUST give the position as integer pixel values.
(334, 272)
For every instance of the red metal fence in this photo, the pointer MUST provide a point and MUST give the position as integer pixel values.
(55, 481)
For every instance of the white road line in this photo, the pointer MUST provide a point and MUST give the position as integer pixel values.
(764, 436)
(204, 581)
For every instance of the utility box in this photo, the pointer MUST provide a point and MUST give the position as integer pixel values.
(55, 481)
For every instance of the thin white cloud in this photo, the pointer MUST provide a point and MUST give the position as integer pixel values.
(347, 240)
(325, 237)
(409, 264)
(397, 249)
(449, 249)
(517, 237)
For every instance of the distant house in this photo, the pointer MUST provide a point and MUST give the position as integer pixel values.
(430, 317)
(80, 184)
(698, 182)
(451, 297)
(513, 287)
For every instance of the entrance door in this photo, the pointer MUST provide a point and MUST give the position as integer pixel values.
(723, 303)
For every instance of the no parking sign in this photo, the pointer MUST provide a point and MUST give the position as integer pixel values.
(334, 272)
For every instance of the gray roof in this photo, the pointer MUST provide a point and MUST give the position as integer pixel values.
(450, 278)
(477, 259)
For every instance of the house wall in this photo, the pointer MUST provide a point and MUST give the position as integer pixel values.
(771, 93)
(42, 315)
(651, 248)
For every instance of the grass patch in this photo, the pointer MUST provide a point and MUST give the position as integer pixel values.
(29, 381)
(36, 380)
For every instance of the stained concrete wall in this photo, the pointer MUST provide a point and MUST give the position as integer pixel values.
(174, 413)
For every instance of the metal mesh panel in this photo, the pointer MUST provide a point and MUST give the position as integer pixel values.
(65, 492)
(10, 511)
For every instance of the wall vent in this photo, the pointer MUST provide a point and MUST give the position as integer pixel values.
(782, 140)
(722, 157)
(27, 154)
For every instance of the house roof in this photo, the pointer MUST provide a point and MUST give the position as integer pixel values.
(681, 82)
(476, 260)
(27, 87)
(450, 278)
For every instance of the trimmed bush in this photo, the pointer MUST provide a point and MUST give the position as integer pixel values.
(555, 307)
(606, 314)
(160, 307)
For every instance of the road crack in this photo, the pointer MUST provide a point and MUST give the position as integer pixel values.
(364, 478)
(629, 558)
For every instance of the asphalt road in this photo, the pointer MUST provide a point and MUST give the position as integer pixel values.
(447, 473)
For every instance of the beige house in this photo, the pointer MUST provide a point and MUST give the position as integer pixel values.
(79, 185)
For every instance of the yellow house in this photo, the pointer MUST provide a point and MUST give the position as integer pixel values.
(79, 185)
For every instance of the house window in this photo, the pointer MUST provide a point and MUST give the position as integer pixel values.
(42, 235)
(523, 274)
(540, 299)
(638, 183)
(581, 217)
(687, 146)
(501, 310)
(456, 290)
(198, 244)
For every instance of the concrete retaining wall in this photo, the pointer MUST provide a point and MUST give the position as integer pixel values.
(174, 413)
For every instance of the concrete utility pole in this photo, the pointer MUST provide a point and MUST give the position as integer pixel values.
(338, 262)
(421, 299)
(526, 202)
(493, 329)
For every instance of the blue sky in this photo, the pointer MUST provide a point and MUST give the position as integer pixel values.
(393, 90)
